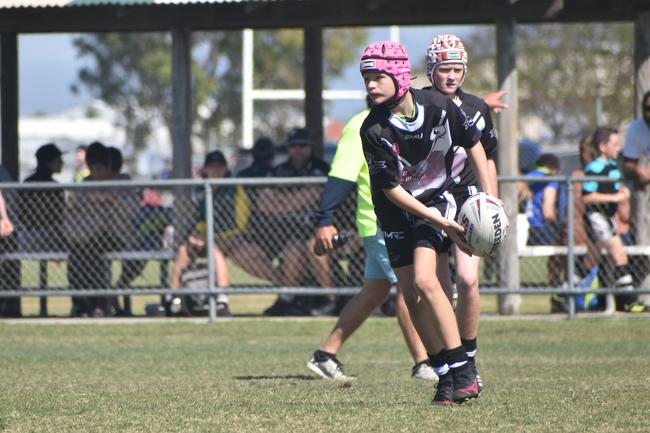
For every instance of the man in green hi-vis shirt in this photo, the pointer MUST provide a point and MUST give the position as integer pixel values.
(349, 169)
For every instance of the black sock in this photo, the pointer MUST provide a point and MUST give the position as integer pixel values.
(470, 347)
(439, 363)
(322, 356)
(456, 357)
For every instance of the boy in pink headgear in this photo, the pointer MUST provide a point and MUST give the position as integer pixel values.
(408, 141)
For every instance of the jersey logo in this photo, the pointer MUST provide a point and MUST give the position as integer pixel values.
(394, 235)
(413, 136)
(374, 166)
(467, 123)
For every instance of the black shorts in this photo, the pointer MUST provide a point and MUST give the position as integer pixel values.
(404, 232)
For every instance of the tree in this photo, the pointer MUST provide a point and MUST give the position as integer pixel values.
(132, 72)
(562, 70)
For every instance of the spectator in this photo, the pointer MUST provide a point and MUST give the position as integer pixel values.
(6, 227)
(232, 210)
(81, 170)
(189, 273)
(636, 155)
(88, 219)
(41, 211)
(263, 153)
(9, 269)
(541, 206)
(291, 210)
(119, 235)
(601, 202)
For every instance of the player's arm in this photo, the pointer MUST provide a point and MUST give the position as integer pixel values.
(400, 197)
(479, 163)
(493, 100)
(335, 192)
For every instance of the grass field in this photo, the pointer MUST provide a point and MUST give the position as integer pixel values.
(249, 375)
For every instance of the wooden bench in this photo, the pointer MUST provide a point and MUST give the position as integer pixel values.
(164, 256)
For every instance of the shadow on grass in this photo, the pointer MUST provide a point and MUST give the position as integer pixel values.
(279, 377)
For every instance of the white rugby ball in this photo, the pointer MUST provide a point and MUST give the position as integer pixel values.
(485, 223)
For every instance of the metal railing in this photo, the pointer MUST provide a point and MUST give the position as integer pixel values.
(104, 230)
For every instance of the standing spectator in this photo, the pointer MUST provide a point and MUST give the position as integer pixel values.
(601, 202)
(290, 210)
(81, 171)
(41, 211)
(636, 160)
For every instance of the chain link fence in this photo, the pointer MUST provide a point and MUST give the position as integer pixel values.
(98, 240)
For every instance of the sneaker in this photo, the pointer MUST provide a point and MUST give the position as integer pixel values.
(327, 309)
(279, 308)
(637, 307)
(223, 310)
(464, 383)
(479, 382)
(328, 369)
(423, 370)
(444, 391)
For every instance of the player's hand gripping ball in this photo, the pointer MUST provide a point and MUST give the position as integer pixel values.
(485, 223)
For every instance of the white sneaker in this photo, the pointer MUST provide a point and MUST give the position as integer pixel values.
(422, 370)
(329, 369)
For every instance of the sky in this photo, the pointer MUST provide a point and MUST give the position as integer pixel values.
(48, 67)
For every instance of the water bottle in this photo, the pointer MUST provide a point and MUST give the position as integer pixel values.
(338, 240)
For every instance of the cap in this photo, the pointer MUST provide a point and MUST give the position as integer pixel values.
(48, 152)
(299, 136)
(263, 147)
(215, 156)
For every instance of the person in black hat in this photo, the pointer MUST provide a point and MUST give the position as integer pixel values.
(291, 210)
(263, 153)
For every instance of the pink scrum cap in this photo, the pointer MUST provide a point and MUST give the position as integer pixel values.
(390, 58)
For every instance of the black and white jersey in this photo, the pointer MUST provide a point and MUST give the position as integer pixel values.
(417, 153)
(476, 109)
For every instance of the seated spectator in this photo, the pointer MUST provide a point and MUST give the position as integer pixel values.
(81, 171)
(190, 273)
(290, 210)
(232, 210)
(541, 206)
(41, 211)
(90, 214)
(601, 202)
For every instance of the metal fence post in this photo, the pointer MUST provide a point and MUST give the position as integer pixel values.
(209, 244)
(571, 307)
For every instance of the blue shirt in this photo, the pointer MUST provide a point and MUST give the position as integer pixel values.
(534, 204)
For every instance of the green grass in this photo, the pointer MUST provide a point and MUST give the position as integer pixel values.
(586, 375)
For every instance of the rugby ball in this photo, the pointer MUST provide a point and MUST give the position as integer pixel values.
(485, 223)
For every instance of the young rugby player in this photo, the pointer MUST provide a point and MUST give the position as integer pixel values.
(408, 141)
(446, 63)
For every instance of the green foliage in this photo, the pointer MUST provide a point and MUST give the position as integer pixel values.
(132, 72)
(250, 376)
(562, 69)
